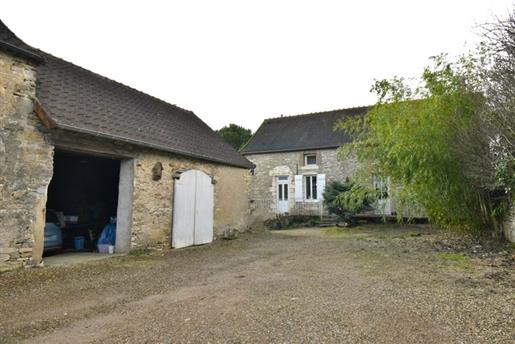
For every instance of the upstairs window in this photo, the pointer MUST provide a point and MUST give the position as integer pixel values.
(310, 159)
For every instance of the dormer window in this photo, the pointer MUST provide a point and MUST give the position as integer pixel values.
(310, 159)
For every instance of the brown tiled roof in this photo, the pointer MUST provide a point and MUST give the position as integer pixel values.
(76, 99)
(301, 132)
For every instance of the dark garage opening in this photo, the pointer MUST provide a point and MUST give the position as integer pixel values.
(82, 200)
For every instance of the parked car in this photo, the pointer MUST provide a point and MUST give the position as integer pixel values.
(53, 234)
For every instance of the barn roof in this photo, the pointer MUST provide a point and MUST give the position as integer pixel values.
(79, 100)
(301, 132)
(10, 42)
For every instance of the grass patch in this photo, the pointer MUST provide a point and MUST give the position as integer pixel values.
(456, 260)
(363, 238)
(336, 231)
(138, 252)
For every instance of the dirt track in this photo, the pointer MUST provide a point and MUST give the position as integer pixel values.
(374, 285)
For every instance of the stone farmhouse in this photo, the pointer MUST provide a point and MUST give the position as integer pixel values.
(295, 158)
(88, 148)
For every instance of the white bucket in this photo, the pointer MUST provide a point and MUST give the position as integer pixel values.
(106, 249)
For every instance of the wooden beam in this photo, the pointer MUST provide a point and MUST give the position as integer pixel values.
(43, 116)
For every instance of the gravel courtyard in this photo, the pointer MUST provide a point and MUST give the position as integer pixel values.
(375, 284)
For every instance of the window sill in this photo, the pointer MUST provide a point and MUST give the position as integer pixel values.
(309, 167)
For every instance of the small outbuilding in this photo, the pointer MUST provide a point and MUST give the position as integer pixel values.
(80, 151)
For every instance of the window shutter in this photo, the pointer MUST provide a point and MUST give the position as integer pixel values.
(298, 188)
(320, 187)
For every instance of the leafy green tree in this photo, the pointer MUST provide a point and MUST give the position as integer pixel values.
(422, 138)
(235, 135)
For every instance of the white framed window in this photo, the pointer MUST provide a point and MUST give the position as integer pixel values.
(381, 186)
(282, 188)
(310, 185)
(310, 159)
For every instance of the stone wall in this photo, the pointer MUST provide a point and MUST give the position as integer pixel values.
(263, 188)
(153, 200)
(231, 199)
(25, 165)
(509, 225)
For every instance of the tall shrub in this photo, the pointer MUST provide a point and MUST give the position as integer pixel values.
(349, 198)
(414, 135)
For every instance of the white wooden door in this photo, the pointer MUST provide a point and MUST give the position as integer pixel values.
(203, 232)
(282, 194)
(192, 209)
(184, 210)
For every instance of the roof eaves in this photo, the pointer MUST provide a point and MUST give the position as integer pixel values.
(284, 150)
(250, 165)
(22, 52)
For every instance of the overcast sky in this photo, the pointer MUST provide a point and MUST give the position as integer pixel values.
(244, 61)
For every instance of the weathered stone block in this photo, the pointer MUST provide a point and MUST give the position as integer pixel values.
(7, 250)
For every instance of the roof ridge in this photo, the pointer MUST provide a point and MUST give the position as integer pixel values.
(114, 81)
(317, 113)
(299, 132)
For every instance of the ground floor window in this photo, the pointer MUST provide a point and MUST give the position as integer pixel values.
(381, 186)
(310, 183)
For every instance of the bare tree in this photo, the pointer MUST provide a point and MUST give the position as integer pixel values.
(500, 80)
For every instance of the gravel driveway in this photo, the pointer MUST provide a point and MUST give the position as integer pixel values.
(376, 284)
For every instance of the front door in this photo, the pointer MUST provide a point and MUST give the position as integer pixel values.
(282, 194)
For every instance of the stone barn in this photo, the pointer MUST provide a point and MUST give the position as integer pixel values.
(78, 149)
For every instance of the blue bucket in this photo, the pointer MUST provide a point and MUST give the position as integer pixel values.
(78, 242)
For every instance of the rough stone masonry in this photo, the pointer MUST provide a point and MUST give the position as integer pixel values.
(25, 164)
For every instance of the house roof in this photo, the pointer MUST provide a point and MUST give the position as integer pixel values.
(79, 100)
(9, 42)
(301, 132)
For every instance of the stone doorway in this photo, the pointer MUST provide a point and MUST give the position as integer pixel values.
(87, 193)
